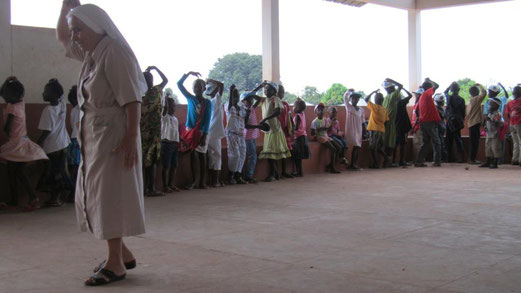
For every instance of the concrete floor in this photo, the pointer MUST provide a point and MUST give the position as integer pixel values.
(402, 230)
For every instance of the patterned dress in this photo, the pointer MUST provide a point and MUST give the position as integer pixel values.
(151, 125)
(275, 145)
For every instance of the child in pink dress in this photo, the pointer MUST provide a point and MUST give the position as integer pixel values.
(300, 148)
(19, 149)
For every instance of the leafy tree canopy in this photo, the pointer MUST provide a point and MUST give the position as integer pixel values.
(334, 95)
(312, 95)
(242, 69)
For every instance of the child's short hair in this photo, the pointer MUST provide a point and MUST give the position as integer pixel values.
(55, 86)
(331, 109)
(12, 90)
(355, 96)
(474, 91)
(73, 95)
(516, 92)
(199, 82)
(378, 97)
(320, 105)
(300, 104)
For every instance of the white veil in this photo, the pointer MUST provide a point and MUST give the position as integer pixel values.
(100, 22)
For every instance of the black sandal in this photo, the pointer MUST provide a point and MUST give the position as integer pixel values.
(128, 265)
(104, 277)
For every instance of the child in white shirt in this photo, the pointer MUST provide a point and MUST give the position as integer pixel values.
(169, 144)
(55, 140)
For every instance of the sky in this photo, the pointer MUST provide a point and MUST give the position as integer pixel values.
(321, 43)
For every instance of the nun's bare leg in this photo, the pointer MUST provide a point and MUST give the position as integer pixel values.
(128, 256)
(115, 259)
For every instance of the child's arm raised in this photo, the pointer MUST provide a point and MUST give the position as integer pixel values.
(397, 84)
(504, 90)
(182, 87)
(163, 77)
(482, 92)
(261, 85)
(368, 97)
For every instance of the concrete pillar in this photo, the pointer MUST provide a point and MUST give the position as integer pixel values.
(415, 49)
(270, 40)
(6, 40)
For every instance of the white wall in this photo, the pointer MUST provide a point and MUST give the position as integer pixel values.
(33, 55)
(37, 56)
(5, 36)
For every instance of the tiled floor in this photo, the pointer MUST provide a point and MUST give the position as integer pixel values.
(398, 230)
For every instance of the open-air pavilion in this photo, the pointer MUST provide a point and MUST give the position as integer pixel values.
(451, 229)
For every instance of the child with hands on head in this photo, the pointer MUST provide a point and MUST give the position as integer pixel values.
(275, 145)
(169, 144)
(355, 124)
(377, 121)
(235, 116)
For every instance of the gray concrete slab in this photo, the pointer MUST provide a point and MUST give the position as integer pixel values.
(397, 230)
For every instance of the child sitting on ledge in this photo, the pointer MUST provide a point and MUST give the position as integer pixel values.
(319, 128)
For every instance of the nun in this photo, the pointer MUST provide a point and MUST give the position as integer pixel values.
(109, 188)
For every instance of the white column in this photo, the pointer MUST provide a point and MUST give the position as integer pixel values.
(415, 49)
(270, 40)
(5, 44)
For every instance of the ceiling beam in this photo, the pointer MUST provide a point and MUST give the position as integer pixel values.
(432, 4)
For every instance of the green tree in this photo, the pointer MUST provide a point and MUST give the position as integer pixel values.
(334, 95)
(242, 69)
(290, 98)
(312, 95)
(465, 84)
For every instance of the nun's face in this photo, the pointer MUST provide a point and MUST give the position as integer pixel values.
(83, 35)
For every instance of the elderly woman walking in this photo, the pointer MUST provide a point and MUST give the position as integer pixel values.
(109, 188)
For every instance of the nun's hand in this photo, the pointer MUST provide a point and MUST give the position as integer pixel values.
(71, 3)
(128, 147)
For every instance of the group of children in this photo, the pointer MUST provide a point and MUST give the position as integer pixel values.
(54, 145)
(209, 120)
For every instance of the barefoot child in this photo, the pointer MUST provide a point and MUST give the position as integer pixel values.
(251, 133)
(300, 142)
(151, 129)
(55, 140)
(336, 134)
(319, 128)
(377, 121)
(354, 128)
(275, 146)
(403, 126)
(513, 114)
(287, 127)
(169, 144)
(235, 116)
(198, 115)
(493, 124)
(214, 89)
(19, 149)
(429, 120)
(394, 95)
(475, 119)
